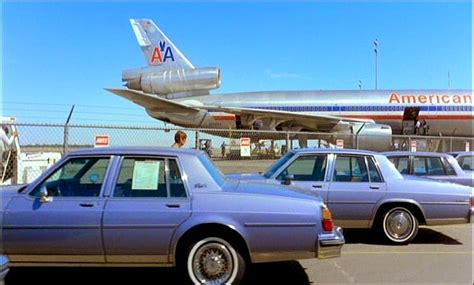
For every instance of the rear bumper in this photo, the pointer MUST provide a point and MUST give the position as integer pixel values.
(330, 245)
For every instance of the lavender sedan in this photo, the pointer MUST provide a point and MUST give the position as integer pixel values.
(465, 160)
(433, 165)
(364, 190)
(155, 207)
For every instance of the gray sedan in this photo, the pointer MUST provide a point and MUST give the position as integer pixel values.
(364, 190)
(465, 160)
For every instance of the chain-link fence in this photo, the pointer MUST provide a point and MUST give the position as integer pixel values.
(40, 145)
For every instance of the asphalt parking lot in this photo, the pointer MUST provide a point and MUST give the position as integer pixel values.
(438, 255)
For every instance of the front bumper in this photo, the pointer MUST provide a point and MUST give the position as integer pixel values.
(330, 244)
(3, 267)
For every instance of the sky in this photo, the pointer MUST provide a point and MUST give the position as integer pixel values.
(55, 55)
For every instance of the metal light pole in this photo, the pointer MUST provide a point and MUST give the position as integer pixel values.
(376, 65)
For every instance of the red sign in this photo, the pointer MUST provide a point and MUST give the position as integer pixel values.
(102, 141)
(244, 141)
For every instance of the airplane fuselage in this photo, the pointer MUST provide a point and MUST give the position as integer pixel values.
(447, 112)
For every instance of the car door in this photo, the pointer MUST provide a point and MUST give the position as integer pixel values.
(356, 187)
(309, 172)
(67, 227)
(148, 202)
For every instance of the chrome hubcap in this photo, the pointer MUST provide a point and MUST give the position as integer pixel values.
(212, 263)
(399, 224)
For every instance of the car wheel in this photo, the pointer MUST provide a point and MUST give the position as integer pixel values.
(399, 225)
(213, 260)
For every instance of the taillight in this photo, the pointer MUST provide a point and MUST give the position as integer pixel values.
(327, 219)
(472, 201)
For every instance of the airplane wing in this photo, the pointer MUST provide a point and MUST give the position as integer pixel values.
(152, 102)
(312, 122)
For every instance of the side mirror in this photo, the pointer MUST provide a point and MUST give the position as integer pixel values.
(44, 198)
(288, 179)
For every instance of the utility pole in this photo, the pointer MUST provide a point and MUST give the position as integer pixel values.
(376, 64)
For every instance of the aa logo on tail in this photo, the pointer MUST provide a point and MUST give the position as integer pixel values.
(161, 54)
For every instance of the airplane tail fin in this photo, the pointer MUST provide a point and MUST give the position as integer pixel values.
(159, 51)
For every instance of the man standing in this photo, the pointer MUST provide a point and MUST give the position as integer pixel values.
(223, 149)
(179, 139)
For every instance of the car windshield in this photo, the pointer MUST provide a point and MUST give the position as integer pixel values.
(274, 167)
(215, 173)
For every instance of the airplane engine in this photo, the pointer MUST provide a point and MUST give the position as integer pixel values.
(376, 137)
(174, 81)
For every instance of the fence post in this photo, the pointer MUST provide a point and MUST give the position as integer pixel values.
(287, 141)
(196, 142)
(356, 140)
(66, 138)
(66, 131)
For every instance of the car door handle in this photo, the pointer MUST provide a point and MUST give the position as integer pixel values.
(317, 186)
(374, 187)
(173, 205)
(87, 205)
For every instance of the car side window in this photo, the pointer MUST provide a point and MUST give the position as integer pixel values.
(419, 166)
(373, 172)
(176, 182)
(141, 177)
(434, 166)
(449, 168)
(466, 162)
(350, 169)
(401, 163)
(78, 177)
(306, 168)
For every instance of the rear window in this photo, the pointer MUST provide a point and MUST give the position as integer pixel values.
(466, 162)
(215, 173)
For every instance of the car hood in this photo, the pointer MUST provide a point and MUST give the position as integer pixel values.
(255, 187)
(246, 176)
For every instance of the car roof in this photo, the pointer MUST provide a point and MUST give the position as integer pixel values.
(333, 150)
(415, 153)
(463, 153)
(135, 151)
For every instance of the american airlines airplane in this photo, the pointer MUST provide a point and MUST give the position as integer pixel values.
(171, 89)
